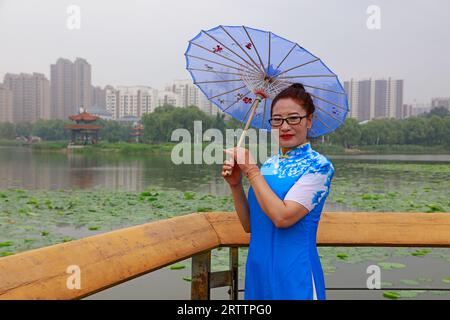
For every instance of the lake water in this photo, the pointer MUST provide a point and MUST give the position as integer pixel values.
(23, 168)
(27, 169)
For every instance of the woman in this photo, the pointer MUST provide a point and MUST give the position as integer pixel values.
(284, 203)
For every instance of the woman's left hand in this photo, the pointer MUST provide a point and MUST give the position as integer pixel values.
(242, 157)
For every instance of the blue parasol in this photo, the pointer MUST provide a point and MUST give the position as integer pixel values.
(240, 69)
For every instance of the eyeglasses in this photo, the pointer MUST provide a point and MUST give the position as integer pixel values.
(278, 121)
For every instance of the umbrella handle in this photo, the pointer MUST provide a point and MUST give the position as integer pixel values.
(254, 106)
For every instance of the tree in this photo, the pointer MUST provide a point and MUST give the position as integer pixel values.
(115, 131)
(159, 125)
(24, 129)
(348, 134)
(7, 130)
(438, 111)
(51, 129)
(438, 130)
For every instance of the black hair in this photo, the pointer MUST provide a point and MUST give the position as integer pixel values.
(297, 93)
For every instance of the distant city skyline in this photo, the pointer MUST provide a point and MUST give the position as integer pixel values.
(27, 97)
(142, 42)
(375, 99)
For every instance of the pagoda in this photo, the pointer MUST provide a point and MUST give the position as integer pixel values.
(84, 130)
(138, 132)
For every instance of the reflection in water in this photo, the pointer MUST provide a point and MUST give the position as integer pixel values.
(87, 171)
(22, 167)
(28, 169)
(397, 157)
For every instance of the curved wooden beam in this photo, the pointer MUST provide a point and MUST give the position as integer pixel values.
(111, 258)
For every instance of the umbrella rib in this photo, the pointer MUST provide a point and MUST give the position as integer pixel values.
(212, 61)
(279, 85)
(256, 50)
(221, 94)
(286, 56)
(210, 51)
(228, 49)
(338, 120)
(332, 103)
(319, 88)
(323, 123)
(235, 102)
(308, 76)
(313, 131)
(218, 81)
(301, 65)
(213, 71)
(239, 45)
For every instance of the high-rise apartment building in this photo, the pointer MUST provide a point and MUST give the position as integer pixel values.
(190, 95)
(5, 104)
(99, 96)
(131, 101)
(440, 102)
(30, 96)
(71, 87)
(375, 99)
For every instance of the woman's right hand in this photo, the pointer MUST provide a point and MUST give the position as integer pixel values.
(235, 178)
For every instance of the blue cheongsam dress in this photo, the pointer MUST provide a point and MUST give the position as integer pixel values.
(283, 263)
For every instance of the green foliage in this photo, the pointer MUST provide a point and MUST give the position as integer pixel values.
(391, 295)
(7, 130)
(432, 130)
(428, 130)
(177, 266)
(391, 265)
(438, 111)
(51, 130)
(349, 134)
(63, 216)
(159, 125)
(23, 129)
(114, 131)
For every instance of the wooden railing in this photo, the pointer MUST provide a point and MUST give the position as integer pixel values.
(108, 259)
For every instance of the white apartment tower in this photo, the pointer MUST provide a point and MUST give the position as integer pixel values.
(191, 95)
(135, 101)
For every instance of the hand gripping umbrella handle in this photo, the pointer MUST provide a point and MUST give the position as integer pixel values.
(254, 106)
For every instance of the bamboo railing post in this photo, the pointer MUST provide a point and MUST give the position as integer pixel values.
(200, 280)
(234, 269)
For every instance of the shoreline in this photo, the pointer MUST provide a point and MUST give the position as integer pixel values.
(166, 148)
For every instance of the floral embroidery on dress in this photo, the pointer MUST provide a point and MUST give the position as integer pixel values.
(296, 162)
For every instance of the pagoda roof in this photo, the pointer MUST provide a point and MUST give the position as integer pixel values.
(83, 126)
(84, 116)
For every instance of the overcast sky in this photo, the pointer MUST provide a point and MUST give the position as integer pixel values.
(142, 42)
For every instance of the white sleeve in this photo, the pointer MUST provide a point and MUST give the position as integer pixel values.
(311, 187)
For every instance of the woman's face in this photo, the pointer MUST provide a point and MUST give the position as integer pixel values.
(291, 135)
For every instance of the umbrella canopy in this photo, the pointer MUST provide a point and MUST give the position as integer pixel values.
(236, 66)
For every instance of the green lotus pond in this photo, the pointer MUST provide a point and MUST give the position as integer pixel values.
(49, 198)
